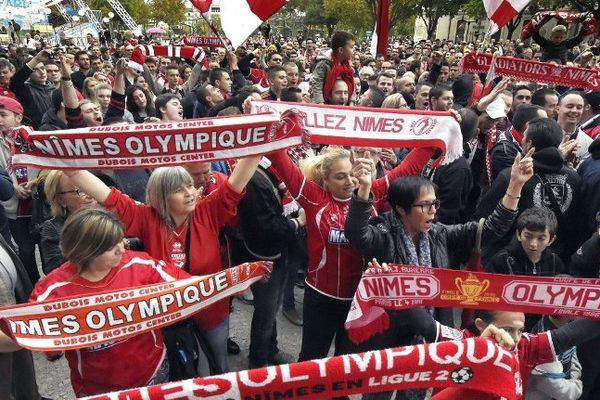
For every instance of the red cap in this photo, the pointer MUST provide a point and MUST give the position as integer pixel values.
(11, 104)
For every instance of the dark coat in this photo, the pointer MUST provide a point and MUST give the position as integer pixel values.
(555, 186)
(35, 98)
(512, 260)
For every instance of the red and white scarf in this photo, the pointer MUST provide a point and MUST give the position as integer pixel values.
(191, 52)
(40, 326)
(474, 363)
(151, 145)
(520, 68)
(375, 127)
(406, 286)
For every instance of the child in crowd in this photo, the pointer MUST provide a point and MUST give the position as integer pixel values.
(529, 252)
(557, 47)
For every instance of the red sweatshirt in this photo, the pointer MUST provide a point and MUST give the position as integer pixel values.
(121, 364)
(212, 212)
(334, 268)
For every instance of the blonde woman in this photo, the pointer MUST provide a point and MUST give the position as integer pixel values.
(323, 188)
(177, 227)
(64, 198)
(395, 100)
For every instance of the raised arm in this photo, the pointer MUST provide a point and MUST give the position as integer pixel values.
(413, 164)
(90, 184)
(68, 90)
(242, 173)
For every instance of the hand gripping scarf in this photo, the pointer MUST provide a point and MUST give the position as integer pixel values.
(587, 19)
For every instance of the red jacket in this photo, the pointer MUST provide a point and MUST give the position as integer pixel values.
(212, 212)
(121, 364)
(334, 267)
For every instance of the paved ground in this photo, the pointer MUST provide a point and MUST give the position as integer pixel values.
(53, 378)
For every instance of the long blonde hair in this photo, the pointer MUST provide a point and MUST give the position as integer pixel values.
(317, 168)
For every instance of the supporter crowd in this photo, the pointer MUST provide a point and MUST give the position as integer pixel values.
(526, 186)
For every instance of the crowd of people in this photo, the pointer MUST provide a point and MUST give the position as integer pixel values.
(529, 173)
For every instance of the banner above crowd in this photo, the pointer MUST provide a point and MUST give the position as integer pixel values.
(361, 126)
(157, 144)
(536, 71)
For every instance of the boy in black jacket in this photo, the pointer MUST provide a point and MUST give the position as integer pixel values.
(529, 252)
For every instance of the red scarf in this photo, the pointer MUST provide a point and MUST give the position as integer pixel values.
(178, 300)
(474, 363)
(406, 286)
(520, 68)
(337, 70)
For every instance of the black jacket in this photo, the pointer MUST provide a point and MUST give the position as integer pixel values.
(35, 98)
(380, 237)
(266, 231)
(50, 252)
(504, 152)
(513, 260)
(454, 183)
(450, 245)
(551, 51)
(589, 171)
(585, 262)
(51, 122)
(554, 186)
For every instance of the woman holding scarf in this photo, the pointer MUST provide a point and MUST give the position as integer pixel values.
(92, 243)
(409, 234)
(178, 227)
(324, 191)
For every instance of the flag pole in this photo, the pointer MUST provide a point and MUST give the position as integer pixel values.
(215, 31)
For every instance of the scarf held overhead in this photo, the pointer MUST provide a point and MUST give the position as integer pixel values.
(536, 71)
(407, 286)
(369, 127)
(587, 19)
(149, 145)
(87, 321)
(474, 363)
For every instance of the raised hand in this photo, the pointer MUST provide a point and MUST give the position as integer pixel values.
(522, 169)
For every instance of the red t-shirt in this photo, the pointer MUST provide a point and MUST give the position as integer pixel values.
(334, 267)
(121, 364)
(212, 212)
(532, 350)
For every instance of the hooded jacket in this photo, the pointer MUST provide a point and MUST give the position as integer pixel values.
(317, 80)
(462, 89)
(555, 186)
(34, 97)
(513, 260)
(51, 121)
(589, 171)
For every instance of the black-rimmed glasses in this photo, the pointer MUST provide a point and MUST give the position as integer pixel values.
(428, 206)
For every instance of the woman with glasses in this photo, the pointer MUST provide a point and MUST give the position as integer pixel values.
(64, 198)
(409, 234)
(323, 188)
